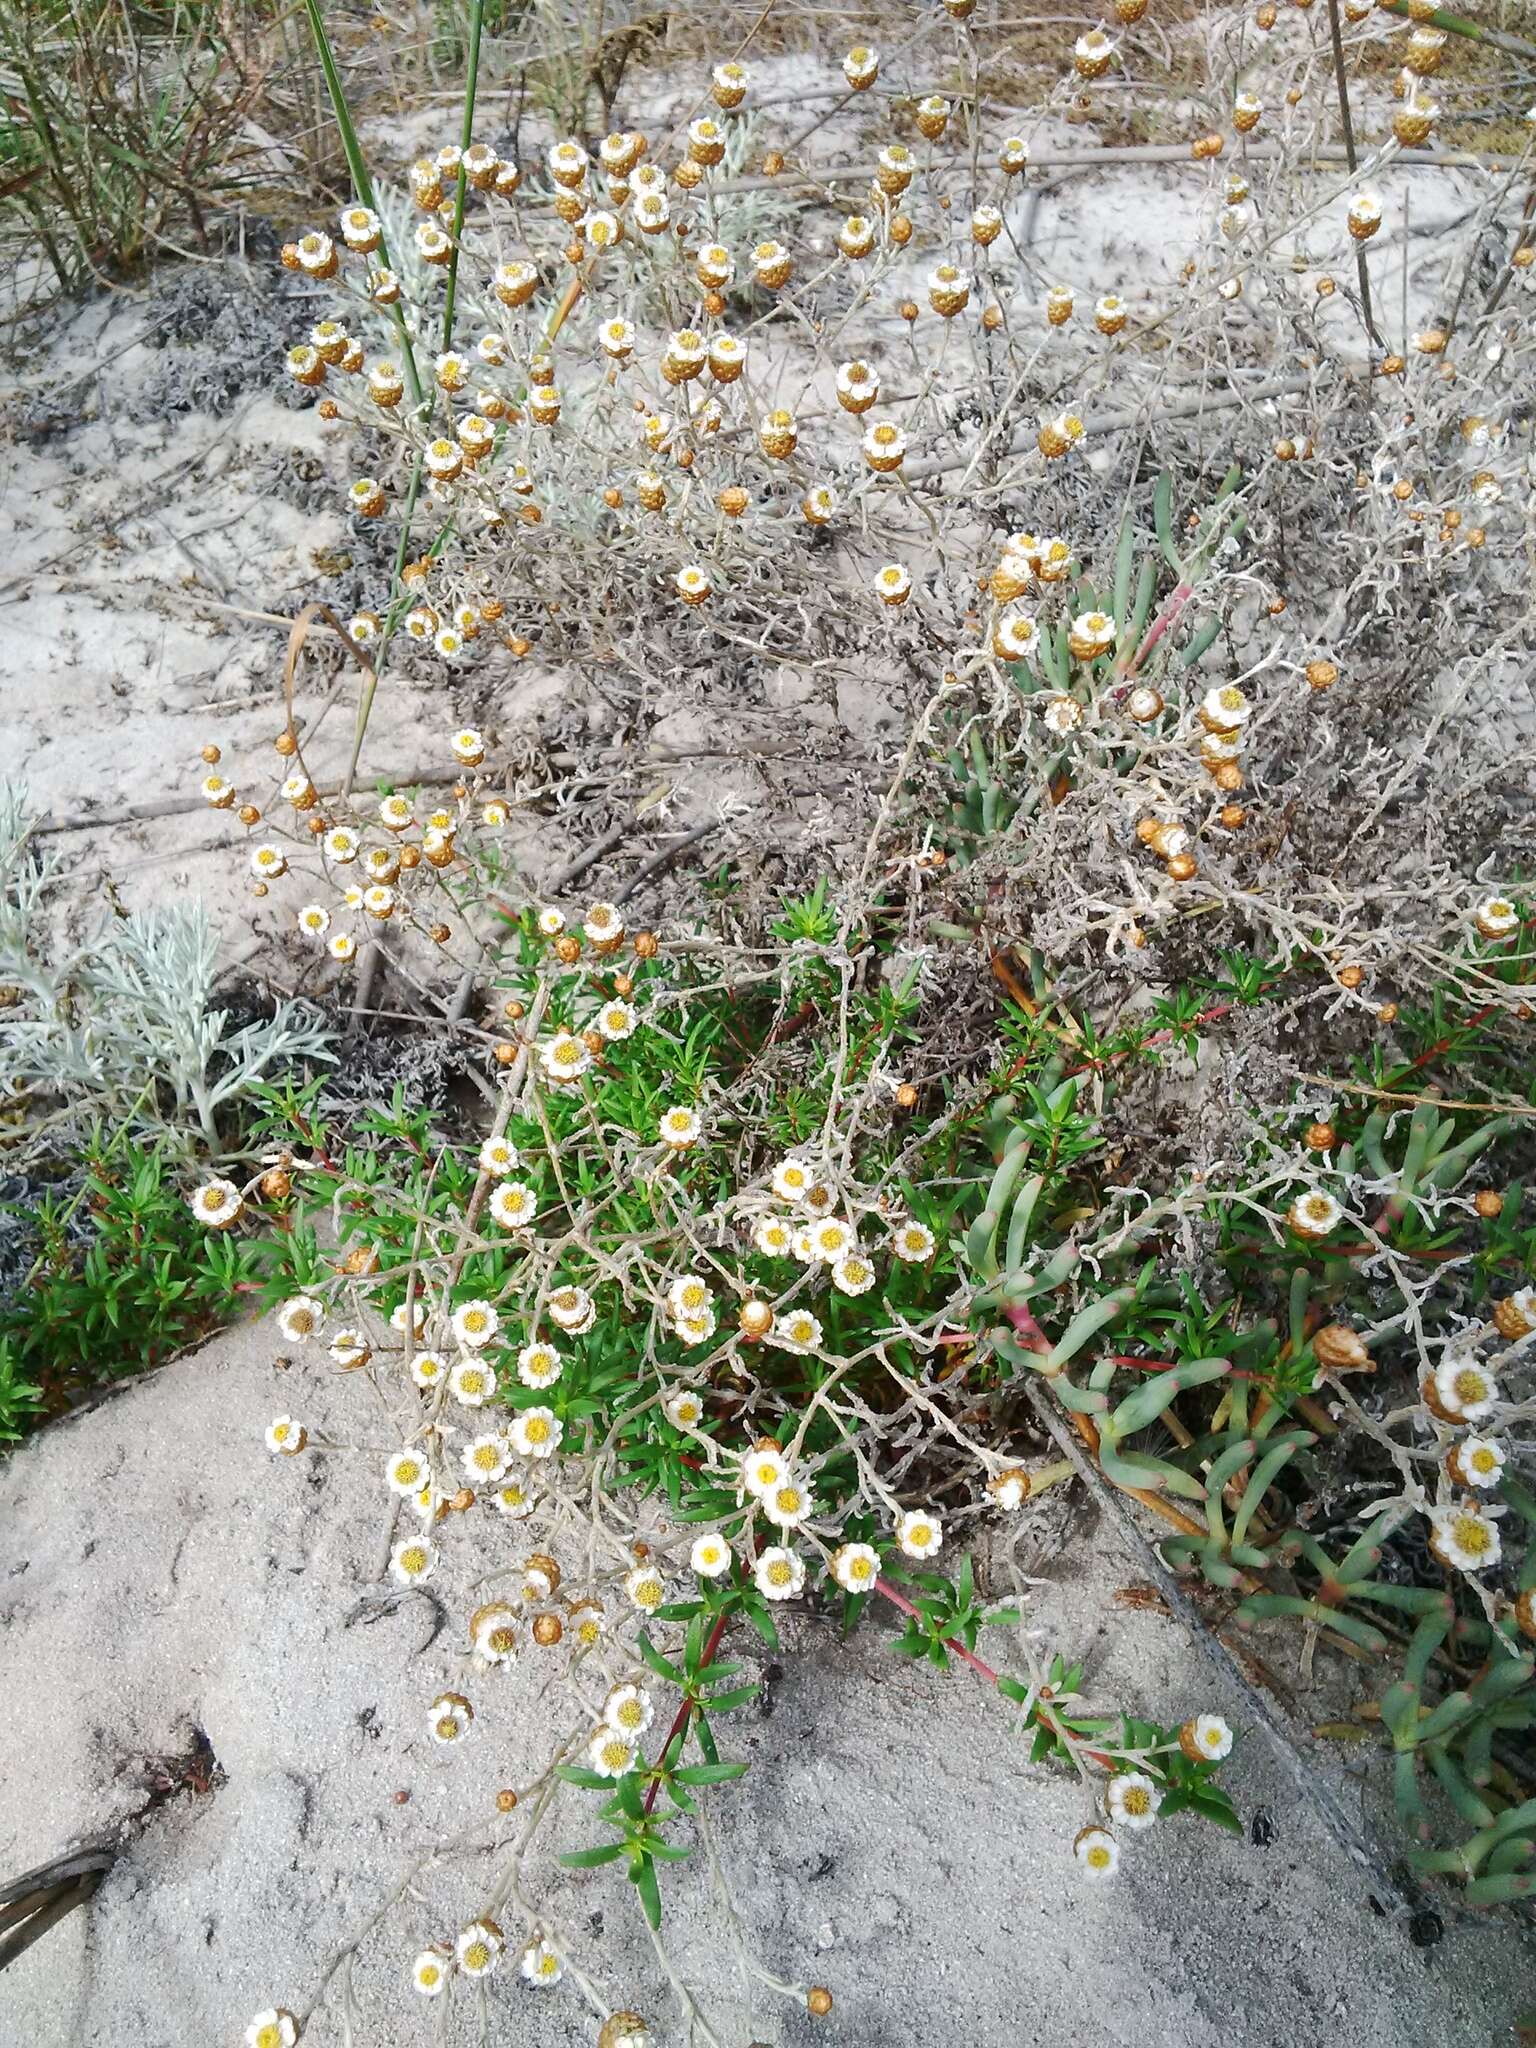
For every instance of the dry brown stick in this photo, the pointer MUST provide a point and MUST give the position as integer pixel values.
(665, 856)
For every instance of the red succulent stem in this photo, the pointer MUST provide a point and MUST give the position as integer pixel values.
(684, 1713)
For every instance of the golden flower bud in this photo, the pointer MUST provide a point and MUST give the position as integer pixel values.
(818, 2001)
(1322, 675)
(1320, 1137)
(1232, 816)
(1337, 1349)
(506, 1801)
(754, 1319)
(547, 1630)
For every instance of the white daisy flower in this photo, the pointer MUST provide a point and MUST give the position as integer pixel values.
(604, 925)
(856, 1566)
(645, 1588)
(314, 920)
(484, 1459)
(779, 1573)
(565, 1057)
(478, 1949)
(285, 1437)
(710, 1556)
(797, 1330)
(696, 1329)
(300, 1318)
(350, 1349)
(541, 1964)
(340, 845)
(217, 1203)
(610, 1754)
(405, 1472)
(589, 1624)
(1097, 1853)
(428, 1367)
(616, 1020)
(1465, 1538)
(497, 1156)
(1464, 1389)
(684, 1409)
(1133, 1800)
(763, 1469)
(536, 1433)
(274, 2028)
(513, 1497)
(679, 1128)
(475, 1323)
(919, 1534)
(539, 1365)
(412, 1560)
(832, 1239)
(689, 1295)
(912, 1242)
(551, 922)
(429, 1973)
(513, 1204)
(787, 1504)
(573, 1309)
(773, 1238)
(1206, 1738)
(853, 1274)
(1496, 917)
(1477, 1461)
(448, 1718)
(629, 1709)
(342, 946)
(791, 1178)
(1314, 1214)
(493, 1633)
(472, 1382)
(268, 862)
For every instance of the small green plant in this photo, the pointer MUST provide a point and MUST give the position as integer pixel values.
(123, 1277)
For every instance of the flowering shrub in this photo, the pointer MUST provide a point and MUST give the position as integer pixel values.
(849, 1230)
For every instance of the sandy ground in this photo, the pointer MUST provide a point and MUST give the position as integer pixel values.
(158, 527)
(890, 1840)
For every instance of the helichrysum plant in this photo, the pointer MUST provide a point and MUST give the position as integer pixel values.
(777, 1229)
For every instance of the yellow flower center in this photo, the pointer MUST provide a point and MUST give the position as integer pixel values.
(413, 1558)
(1474, 1536)
(1470, 1386)
(476, 1956)
(779, 1572)
(536, 1430)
